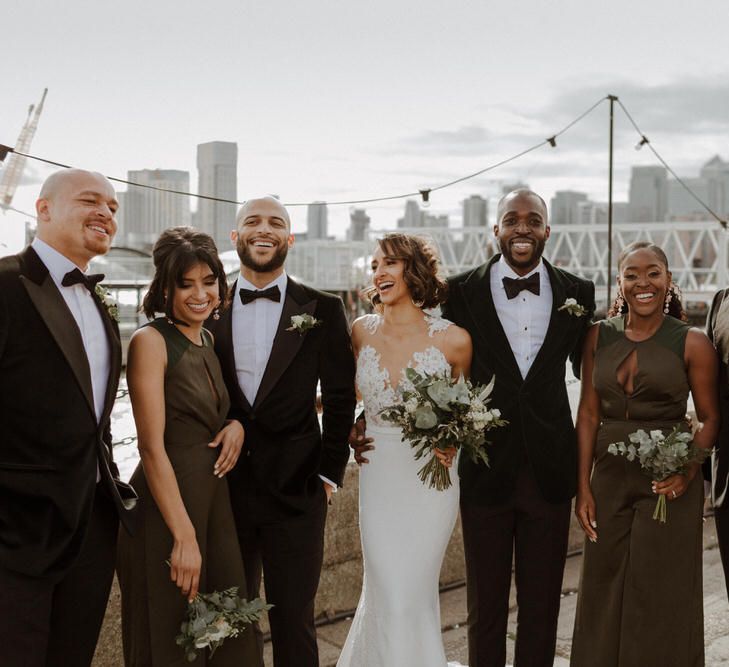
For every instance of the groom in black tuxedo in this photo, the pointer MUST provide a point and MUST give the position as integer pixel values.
(519, 506)
(60, 497)
(277, 342)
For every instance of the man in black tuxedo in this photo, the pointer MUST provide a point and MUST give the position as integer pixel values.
(519, 506)
(289, 467)
(60, 498)
(717, 328)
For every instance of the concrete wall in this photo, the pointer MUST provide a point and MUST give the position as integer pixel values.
(341, 576)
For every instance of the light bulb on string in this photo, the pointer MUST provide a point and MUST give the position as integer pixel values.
(425, 196)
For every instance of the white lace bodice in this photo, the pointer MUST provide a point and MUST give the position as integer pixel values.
(374, 382)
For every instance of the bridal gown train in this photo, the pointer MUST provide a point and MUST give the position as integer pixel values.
(405, 528)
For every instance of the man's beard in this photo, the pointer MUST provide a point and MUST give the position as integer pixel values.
(520, 263)
(247, 259)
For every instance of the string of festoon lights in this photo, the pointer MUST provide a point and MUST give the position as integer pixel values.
(423, 193)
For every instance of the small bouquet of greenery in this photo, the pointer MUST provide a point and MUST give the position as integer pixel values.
(661, 456)
(439, 412)
(214, 617)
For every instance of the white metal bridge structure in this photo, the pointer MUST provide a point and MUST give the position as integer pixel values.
(697, 253)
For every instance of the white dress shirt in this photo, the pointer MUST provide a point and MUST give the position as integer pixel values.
(525, 318)
(87, 316)
(254, 327)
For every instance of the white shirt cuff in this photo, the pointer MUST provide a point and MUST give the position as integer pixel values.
(329, 481)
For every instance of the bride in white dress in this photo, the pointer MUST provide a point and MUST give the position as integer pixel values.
(405, 526)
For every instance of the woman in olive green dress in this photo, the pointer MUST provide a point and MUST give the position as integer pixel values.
(185, 538)
(640, 598)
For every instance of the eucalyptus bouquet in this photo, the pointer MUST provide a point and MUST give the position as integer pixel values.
(439, 412)
(214, 617)
(661, 456)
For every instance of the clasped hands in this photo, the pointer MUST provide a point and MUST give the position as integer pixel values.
(360, 443)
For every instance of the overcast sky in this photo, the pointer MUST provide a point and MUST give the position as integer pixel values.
(340, 100)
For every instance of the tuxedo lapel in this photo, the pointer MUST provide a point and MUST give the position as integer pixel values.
(286, 344)
(50, 305)
(226, 353)
(556, 320)
(480, 303)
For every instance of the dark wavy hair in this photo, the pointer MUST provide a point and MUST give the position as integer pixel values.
(176, 251)
(675, 307)
(422, 272)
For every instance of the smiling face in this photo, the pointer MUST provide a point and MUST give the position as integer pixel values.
(76, 212)
(522, 230)
(388, 278)
(644, 280)
(263, 236)
(196, 295)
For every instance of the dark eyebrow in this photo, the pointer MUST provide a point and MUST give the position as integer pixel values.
(95, 195)
(256, 216)
(650, 266)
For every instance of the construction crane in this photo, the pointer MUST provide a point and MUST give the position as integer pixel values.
(13, 172)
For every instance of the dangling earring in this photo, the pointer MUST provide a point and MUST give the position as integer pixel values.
(216, 313)
(619, 302)
(667, 303)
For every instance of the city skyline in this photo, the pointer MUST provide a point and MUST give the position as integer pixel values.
(368, 100)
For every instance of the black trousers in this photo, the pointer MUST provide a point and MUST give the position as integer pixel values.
(289, 553)
(534, 533)
(47, 623)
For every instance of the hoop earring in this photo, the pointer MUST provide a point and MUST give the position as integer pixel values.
(417, 304)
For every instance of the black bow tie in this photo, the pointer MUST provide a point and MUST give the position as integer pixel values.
(515, 285)
(248, 295)
(78, 277)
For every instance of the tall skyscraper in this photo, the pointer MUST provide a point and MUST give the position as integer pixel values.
(413, 215)
(217, 176)
(648, 198)
(564, 207)
(316, 221)
(359, 225)
(475, 211)
(147, 212)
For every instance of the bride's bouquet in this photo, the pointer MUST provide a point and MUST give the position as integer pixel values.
(214, 617)
(440, 412)
(661, 456)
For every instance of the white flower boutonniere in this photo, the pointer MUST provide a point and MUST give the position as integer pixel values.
(302, 323)
(573, 308)
(112, 307)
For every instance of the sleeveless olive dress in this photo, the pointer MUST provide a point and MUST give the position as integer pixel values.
(640, 597)
(196, 405)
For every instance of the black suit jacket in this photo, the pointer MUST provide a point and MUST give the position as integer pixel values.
(285, 451)
(540, 424)
(50, 441)
(717, 328)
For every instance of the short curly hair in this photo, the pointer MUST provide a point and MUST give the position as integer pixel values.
(422, 272)
(175, 252)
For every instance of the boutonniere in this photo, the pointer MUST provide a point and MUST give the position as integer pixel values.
(302, 323)
(573, 308)
(112, 307)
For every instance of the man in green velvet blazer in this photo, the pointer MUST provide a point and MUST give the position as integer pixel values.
(526, 319)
